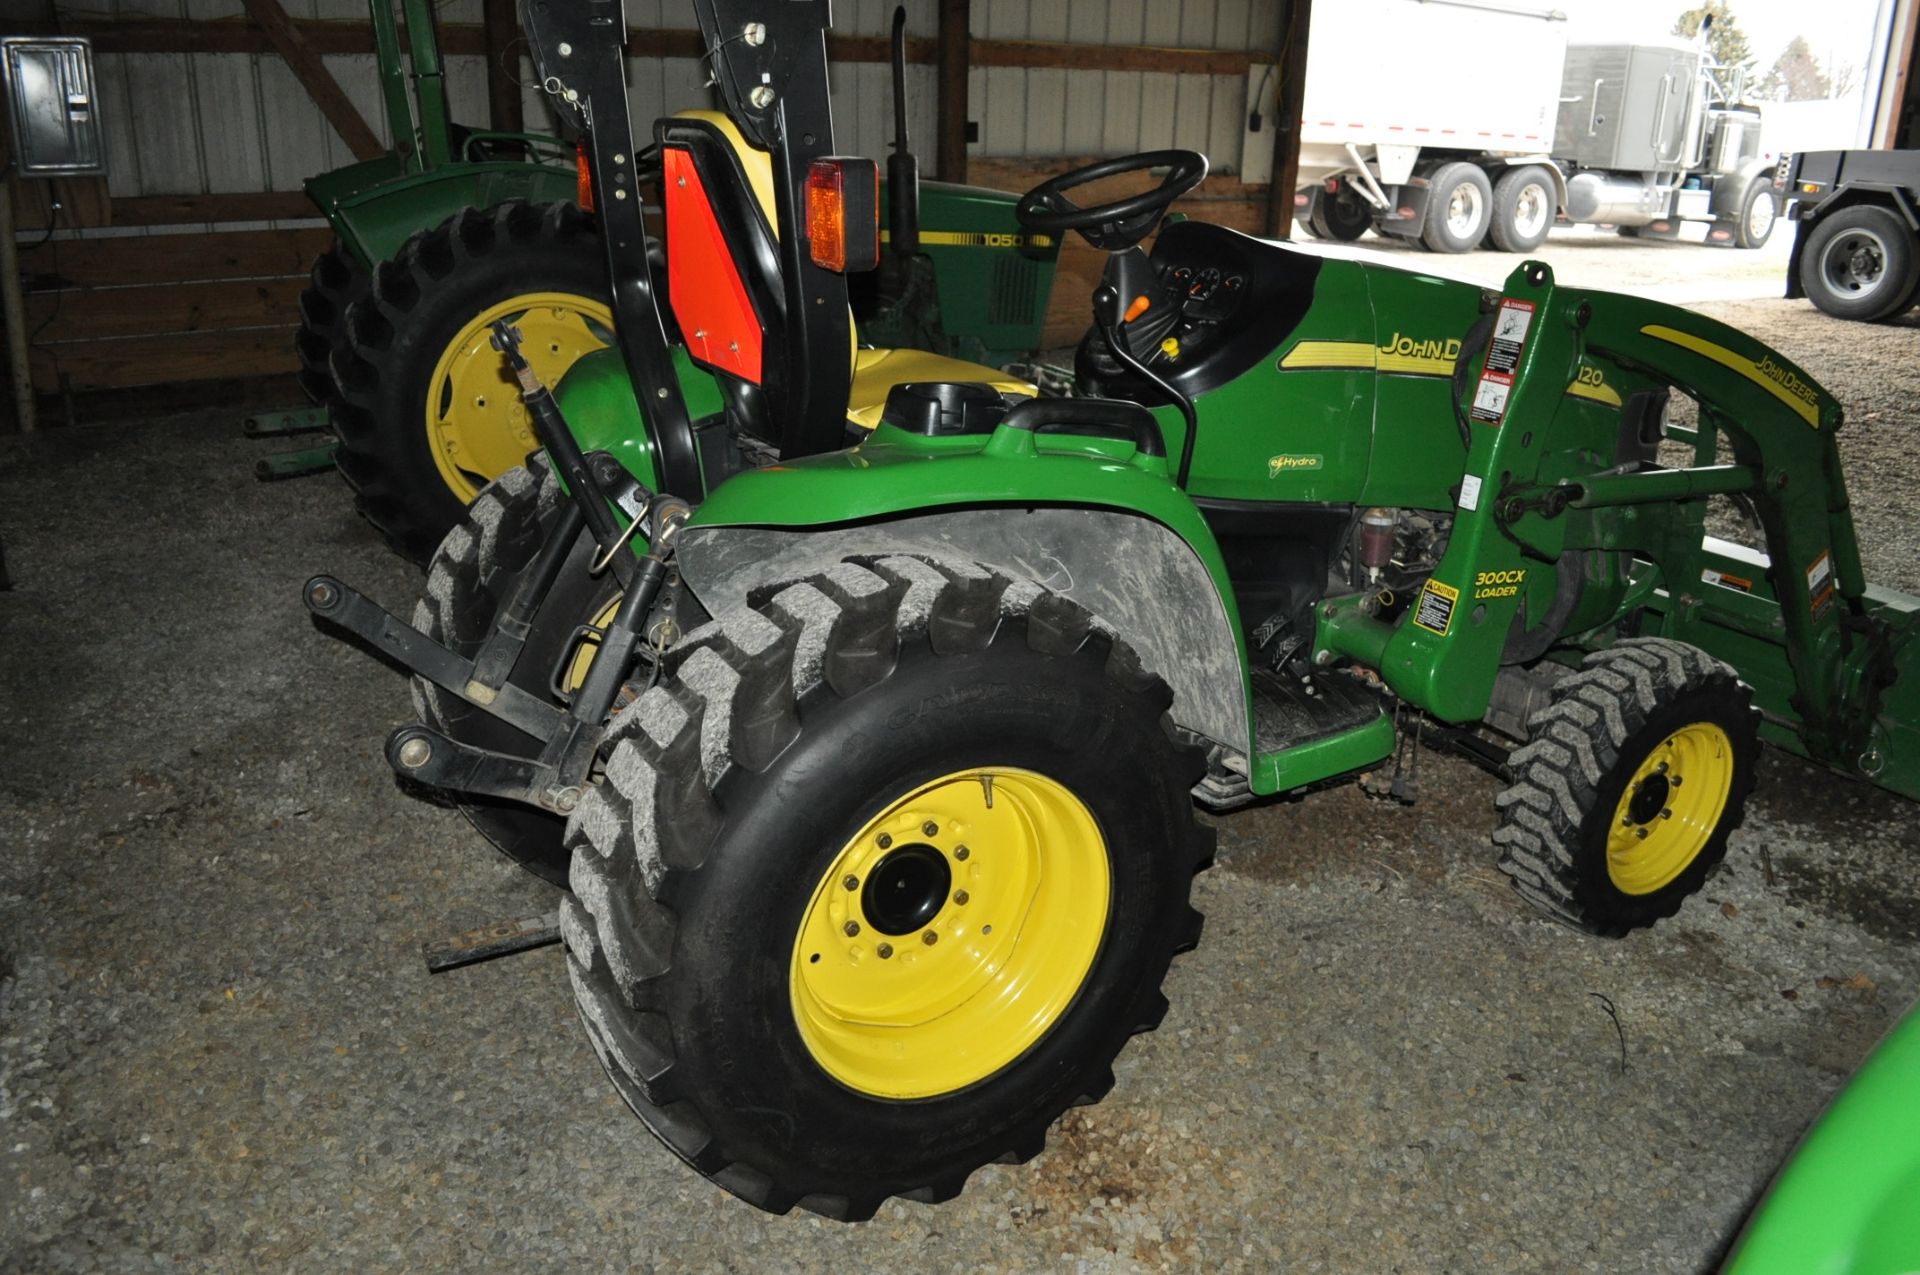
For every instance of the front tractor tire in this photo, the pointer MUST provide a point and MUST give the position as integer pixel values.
(472, 575)
(1637, 772)
(427, 413)
(882, 877)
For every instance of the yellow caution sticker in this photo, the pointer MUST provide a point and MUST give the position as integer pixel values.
(1434, 611)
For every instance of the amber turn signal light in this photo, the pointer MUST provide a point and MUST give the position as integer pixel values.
(843, 214)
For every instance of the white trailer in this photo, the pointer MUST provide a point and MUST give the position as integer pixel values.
(1457, 121)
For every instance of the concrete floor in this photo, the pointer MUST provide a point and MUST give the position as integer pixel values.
(219, 1049)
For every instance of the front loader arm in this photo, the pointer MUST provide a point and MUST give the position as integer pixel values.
(1534, 488)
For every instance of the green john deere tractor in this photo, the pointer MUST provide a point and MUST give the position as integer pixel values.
(457, 228)
(872, 771)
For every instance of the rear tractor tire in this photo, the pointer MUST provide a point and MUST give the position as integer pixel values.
(1459, 208)
(336, 282)
(1636, 774)
(883, 876)
(472, 575)
(427, 412)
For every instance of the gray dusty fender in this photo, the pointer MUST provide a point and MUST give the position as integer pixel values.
(1131, 572)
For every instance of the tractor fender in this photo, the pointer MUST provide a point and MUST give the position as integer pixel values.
(1136, 576)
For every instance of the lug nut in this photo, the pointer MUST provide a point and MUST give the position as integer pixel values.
(851, 928)
(850, 881)
(1641, 833)
(960, 897)
(930, 828)
(930, 938)
(1667, 813)
(885, 841)
(961, 852)
(415, 752)
(884, 951)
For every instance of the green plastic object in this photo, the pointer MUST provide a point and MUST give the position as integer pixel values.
(1848, 1201)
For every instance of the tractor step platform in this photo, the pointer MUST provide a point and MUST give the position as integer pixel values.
(1288, 711)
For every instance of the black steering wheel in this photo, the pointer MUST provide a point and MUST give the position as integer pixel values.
(1116, 226)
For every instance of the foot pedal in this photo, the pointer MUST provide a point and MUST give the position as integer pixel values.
(503, 938)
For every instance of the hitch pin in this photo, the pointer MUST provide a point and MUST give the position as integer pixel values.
(639, 517)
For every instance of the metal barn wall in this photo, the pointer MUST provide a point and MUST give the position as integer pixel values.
(1061, 112)
(213, 123)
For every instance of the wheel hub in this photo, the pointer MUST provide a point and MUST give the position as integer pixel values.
(1670, 808)
(906, 889)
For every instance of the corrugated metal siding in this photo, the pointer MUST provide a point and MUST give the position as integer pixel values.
(1065, 112)
(219, 123)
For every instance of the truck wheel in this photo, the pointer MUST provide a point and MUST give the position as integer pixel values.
(1341, 216)
(428, 413)
(1860, 263)
(1758, 211)
(472, 574)
(1523, 209)
(882, 877)
(1459, 206)
(1637, 772)
(335, 283)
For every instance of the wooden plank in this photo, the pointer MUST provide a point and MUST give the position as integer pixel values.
(468, 39)
(312, 73)
(500, 30)
(93, 314)
(151, 259)
(180, 210)
(155, 360)
(1292, 74)
(951, 85)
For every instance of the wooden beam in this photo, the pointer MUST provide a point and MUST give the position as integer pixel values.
(500, 27)
(180, 210)
(1291, 97)
(172, 259)
(950, 125)
(228, 35)
(307, 67)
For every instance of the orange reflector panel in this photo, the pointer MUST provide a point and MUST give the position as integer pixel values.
(827, 214)
(843, 214)
(584, 169)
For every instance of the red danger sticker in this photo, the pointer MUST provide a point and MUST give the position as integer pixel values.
(1510, 328)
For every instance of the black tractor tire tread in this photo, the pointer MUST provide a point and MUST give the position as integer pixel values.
(335, 283)
(466, 580)
(1573, 745)
(741, 684)
(383, 492)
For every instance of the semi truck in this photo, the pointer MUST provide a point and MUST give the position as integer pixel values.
(1458, 122)
(1856, 243)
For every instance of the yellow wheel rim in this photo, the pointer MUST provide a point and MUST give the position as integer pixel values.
(951, 933)
(477, 427)
(1670, 808)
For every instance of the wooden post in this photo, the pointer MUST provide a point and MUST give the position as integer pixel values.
(14, 306)
(500, 23)
(956, 26)
(1291, 98)
(307, 67)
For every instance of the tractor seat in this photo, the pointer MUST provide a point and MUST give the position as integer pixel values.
(875, 371)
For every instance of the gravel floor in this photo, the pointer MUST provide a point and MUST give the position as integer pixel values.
(219, 1050)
